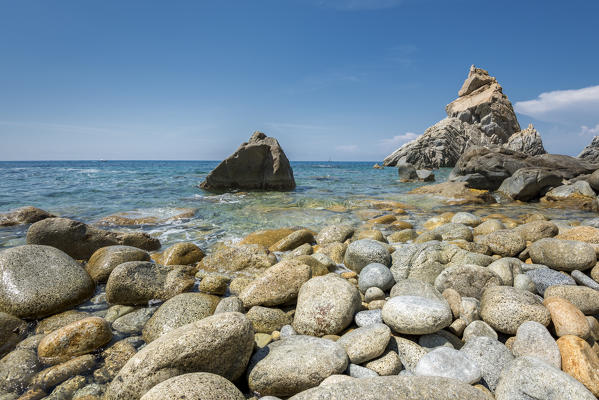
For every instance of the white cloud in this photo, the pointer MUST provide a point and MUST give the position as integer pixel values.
(355, 5)
(564, 106)
(348, 148)
(397, 141)
(585, 130)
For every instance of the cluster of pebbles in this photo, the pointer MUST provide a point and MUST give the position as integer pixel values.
(464, 307)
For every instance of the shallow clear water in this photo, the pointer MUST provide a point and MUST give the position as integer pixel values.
(327, 192)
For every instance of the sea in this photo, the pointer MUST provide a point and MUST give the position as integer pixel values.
(326, 193)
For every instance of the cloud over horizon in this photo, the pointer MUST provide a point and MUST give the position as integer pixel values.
(398, 140)
(575, 106)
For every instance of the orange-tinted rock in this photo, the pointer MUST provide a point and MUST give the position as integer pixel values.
(182, 254)
(566, 318)
(76, 339)
(580, 361)
(384, 220)
(582, 233)
(267, 237)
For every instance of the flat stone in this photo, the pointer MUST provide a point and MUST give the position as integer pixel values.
(229, 304)
(334, 233)
(533, 339)
(132, 323)
(582, 279)
(198, 385)
(563, 255)
(293, 240)
(250, 258)
(466, 218)
(357, 371)
(580, 361)
(530, 378)
(478, 328)
(294, 364)
(448, 363)
(221, 344)
(57, 374)
(366, 343)
(504, 308)
(388, 363)
(374, 293)
(536, 230)
(416, 315)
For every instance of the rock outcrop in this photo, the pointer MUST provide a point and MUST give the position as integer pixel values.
(24, 215)
(259, 164)
(527, 141)
(482, 115)
(591, 152)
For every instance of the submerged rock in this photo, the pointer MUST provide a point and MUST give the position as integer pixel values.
(80, 241)
(24, 215)
(259, 164)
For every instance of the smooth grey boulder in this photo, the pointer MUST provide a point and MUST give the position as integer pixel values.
(325, 306)
(133, 323)
(529, 183)
(490, 355)
(563, 255)
(393, 387)
(468, 280)
(448, 363)
(291, 365)
(366, 343)
(530, 378)
(545, 277)
(180, 310)
(37, 281)
(259, 164)
(221, 344)
(137, 282)
(357, 371)
(80, 241)
(504, 308)
(416, 315)
(199, 385)
(578, 188)
(366, 251)
(533, 339)
(582, 279)
(375, 275)
(374, 293)
(105, 259)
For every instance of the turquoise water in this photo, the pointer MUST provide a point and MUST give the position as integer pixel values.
(327, 192)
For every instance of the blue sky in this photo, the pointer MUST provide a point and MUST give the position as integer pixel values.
(340, 79)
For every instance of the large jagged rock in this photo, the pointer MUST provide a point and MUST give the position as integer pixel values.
(481, 116)
(487, 167)
(591, 152)
(527, 141)
(259, 164)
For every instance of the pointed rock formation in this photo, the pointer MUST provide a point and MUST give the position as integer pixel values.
(260, 164)
(591, 152)
(527, 141)
(482, 115)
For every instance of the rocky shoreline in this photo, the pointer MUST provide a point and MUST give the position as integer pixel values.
(466, 305)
